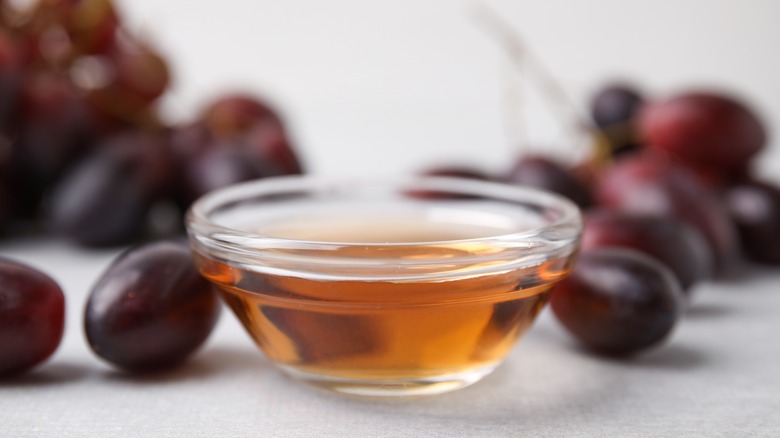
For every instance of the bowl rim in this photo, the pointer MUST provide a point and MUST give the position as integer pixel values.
(197, 215)
(558, 237)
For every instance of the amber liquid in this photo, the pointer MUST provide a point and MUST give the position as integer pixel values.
(388, 329)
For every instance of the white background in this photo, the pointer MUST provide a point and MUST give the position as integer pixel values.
(393, 86)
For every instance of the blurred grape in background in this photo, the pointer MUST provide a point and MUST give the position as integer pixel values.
(84, 149)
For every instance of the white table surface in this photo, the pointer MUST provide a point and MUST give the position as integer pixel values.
(389, 87)
(717, 376)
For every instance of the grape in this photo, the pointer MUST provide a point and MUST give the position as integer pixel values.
(755, 208)
(267, 140)
(250, 123)
(150, 309)
(222, 165)
(32, 316)
(89, 26)
(618, 301)
(615, 104)
(448, 171)
(187, 144)
(10, 78)
(6, 211)
(105, 199)
(615, 110)
(457, 172)
(54, 133)
(190, 140)
(57, 126)
(141, 74)
(92, 25)
(704, 130)
(670, 241)
(648, 184)
(6, 205)
(126, 82)
(235, 113)
(544, 173)
(210, 162)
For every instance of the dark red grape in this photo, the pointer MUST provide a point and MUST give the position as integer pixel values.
(190, 140)
(141, 73)
(32, 316)
(105, 199)
(670, 241)
(456, 171)
(187, 144)
(210, 161)
(89, 26)
(54, 132)
(267, 140)
(647, 184)
(618, 301)
(126, 82)
(57, 126)
(544, 173)
(755, 208)
(704, 130)
(92, 25)
(448, 171)
(221, 165)
(150, 309)
(10, 78)
(248, 121)
(6, 204)
(235, 113)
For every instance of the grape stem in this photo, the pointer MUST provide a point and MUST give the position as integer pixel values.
(525, 61)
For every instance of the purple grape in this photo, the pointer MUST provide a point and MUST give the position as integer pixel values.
(221, 165)
(544, 173)
(670, 241)
(150, 309)
(647, 184)
(618, 301)
(105, 199)
(267, 140)
(755, 208)
(616, 104)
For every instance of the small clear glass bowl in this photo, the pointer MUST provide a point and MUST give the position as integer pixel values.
(401, 286)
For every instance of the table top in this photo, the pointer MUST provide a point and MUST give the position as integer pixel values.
(717, 376)
(370, 87)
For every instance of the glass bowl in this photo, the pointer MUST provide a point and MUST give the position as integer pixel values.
(397, 286)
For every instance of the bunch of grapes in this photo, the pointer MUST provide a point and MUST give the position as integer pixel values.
(83, 150)
(671, 201)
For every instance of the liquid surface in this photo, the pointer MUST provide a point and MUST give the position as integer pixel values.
(381, 230)
(401, 330)
(381, 220)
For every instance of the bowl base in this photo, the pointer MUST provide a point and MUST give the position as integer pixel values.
(391, 387)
